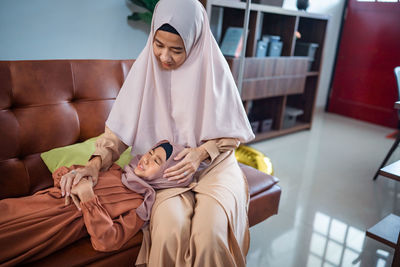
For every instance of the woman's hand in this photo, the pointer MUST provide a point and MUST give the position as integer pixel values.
(188, 166)
(82, 192)
(91, 170)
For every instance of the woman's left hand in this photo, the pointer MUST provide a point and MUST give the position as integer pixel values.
(192, 157)
(82, 192)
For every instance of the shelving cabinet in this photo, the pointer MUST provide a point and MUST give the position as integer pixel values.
(270, 84)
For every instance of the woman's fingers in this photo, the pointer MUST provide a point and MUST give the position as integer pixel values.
(94, 179)
(76, 201)
(68, 185)
(67, 201)
(170, 171)
(184, 179)
(78, 177)
(182, 154)
(179, 174)
(62, 185)
(66, 181)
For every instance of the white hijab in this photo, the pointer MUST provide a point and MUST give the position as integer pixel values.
(196, 102)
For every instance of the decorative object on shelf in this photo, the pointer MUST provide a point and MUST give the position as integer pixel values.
(302, 4)
(275, 45)
(266, 125)
(254, 158)
(262, 47)
(147, 15)
(290, 116)
(254, 126)
(306, 49)
(233, 41)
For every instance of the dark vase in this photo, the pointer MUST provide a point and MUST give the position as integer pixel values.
(302, 4)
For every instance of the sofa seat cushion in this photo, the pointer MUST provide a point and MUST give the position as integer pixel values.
(68, 256)
(258, 181)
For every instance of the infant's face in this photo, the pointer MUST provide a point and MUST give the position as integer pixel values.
(150, 163)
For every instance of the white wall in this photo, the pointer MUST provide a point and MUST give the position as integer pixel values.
(69, 29)
(98, 29)
(334, 8)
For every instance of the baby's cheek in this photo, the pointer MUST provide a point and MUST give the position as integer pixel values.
(153, 170)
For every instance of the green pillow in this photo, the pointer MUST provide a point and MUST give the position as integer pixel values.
(78, 154)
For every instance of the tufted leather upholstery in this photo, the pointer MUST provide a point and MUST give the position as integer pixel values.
(54, 103)
(48, 104)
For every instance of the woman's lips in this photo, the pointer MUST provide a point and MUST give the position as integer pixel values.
(166, 65)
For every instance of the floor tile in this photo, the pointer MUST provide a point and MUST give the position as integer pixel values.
(328, 197)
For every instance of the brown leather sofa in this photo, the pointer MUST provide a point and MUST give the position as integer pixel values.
(54, 103)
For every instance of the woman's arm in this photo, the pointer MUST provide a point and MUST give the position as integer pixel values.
(215, 147)
(106, 234)
(108, 149)
(192, 157)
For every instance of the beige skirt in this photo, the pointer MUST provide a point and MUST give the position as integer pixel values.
(205, 224)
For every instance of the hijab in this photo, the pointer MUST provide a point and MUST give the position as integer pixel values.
(196, 102)
(147, 186)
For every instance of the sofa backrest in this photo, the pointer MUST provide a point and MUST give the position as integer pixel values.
(46, 104)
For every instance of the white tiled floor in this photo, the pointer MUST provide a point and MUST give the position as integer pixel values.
(328, 196)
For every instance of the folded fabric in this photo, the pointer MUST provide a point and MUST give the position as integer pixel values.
(77, 154)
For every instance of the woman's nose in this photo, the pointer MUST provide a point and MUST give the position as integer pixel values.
(165, 56)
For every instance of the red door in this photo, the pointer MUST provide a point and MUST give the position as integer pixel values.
(364, 86)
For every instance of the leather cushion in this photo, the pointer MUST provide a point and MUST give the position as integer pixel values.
(258, 181)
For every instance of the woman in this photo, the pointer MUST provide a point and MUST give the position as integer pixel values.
(182, 83)
(35, 226)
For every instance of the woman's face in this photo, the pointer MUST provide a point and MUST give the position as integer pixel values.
(169, 50)
(150, 163)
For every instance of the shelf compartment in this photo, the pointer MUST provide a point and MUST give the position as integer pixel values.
(267, 108)
(305, 101)
(233, 17)
(313, 31)
(281, 25)
(300, 126)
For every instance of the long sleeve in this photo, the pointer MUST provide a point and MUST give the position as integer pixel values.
(109, 147)
(108, 234)
(215, 147)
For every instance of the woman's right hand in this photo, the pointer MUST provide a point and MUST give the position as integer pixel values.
(91, 170)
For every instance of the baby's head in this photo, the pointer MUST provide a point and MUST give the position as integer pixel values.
(151, 163)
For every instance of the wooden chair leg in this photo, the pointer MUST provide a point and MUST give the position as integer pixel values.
(392, 149)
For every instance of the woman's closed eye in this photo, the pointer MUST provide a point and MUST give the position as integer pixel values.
(177, 52)
(156, 158)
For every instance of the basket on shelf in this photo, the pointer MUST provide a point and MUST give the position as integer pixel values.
(254, 158)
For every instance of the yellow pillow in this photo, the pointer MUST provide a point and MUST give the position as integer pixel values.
(78, 154)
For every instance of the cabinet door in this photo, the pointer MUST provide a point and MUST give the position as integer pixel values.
(364, 85)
